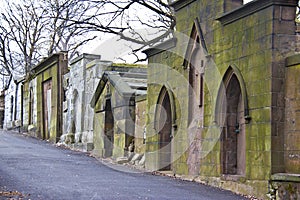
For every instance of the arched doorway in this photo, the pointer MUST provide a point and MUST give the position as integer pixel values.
(108, 129)
(77, 112)
(47, 108)
(31, 106)
(164, 127)
(233, 132)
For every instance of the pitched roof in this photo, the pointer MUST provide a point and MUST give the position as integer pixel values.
(131, 83)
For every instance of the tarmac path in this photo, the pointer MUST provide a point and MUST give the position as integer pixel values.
(35, 169)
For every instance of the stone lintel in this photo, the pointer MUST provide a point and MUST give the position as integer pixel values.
(292, 60)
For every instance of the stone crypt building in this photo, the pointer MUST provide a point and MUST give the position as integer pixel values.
(223, 97)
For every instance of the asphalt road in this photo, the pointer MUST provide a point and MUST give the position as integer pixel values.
(35, 169)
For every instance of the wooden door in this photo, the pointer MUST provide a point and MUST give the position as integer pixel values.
(165, 134)
(108, 130)
(233, 148)
(47, 89)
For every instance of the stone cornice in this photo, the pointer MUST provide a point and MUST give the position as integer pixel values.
(50, 61)
(251, 8)
(161, 47)
(177, 5)
(85, 56)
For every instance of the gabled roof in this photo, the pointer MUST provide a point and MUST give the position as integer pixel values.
(196, 38)
(128, 84)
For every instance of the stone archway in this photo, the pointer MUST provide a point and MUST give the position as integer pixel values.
(164, 128)
(233, 131)
(47, 108)
(31, 106)
(108, 130)
(76, 112)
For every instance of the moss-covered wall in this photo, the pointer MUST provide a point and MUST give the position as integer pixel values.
(255, 44)
(123, 123)
(292, 120)
(140, 126)
(99, 120)
(53, 68)
(30, 107)
(48, 74)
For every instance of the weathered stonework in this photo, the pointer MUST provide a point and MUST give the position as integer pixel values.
(13, 116)
(239, 141)
(292, 119)
(43, 98)
(140, 125)
(79, 85)
(30, 107)
(286, 185)
(119, 103)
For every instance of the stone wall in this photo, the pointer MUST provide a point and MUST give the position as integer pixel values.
(13, 113)
(250, 43)
(80, 84)
(50, 72)
(99, 135)
(140, 126)
(78, 92)
(284, 186)
(292, 120)
(119, 120)
(30, 107)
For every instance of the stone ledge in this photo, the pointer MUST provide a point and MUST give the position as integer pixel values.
(235, 178)
(250, 8)
(164, 46)
(285, 177)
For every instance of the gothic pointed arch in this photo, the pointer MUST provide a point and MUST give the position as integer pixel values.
(232, 70)
(164, 125)
(196, 41)
(31, 106)
(196, 59)
(76, 125)
(232, 116)
(165, 90)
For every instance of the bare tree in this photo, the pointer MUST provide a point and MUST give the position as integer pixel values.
(62, 36)
(22, 27)
(33, 29)
(298, 12)
(142, 22)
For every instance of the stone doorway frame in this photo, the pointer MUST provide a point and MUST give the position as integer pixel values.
(108, 129)
(165, 146)
(47, 107)
(223, 112)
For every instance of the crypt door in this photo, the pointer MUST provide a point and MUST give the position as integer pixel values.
(165, 133)
(47, 89)
(108, 130)
(233, 134)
